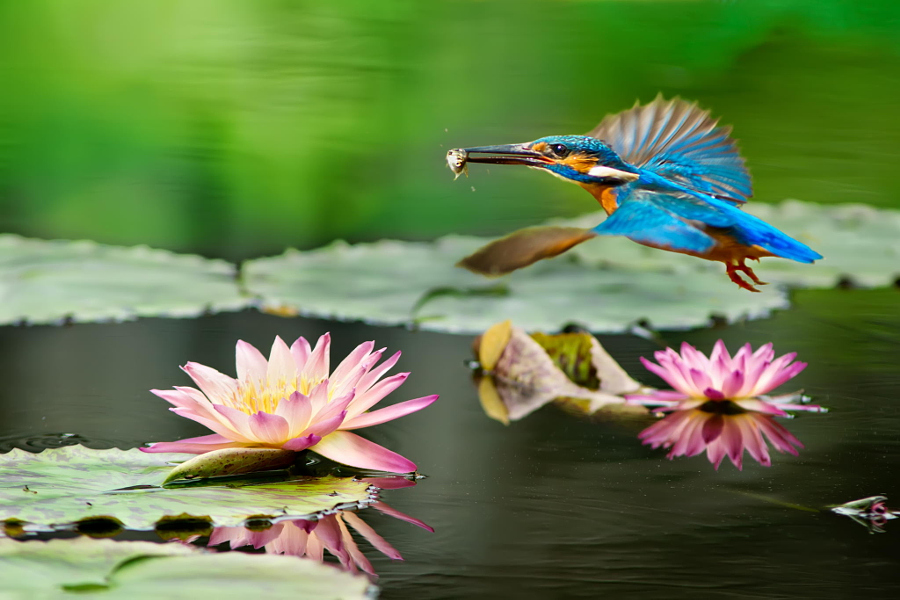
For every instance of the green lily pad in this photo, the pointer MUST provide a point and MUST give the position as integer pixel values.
(51, 281)
(61, 486)
(412, 283)
(134, 570)
(859, 243)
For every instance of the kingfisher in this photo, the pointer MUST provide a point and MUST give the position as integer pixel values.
(668, 177)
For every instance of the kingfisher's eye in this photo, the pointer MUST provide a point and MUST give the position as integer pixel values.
(559, 149)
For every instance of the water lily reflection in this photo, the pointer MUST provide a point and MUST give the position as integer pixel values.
(718, 403)
(871, 512)
(311, 538)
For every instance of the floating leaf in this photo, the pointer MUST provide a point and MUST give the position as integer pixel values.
(531, 371)
(859, 243)
(60, 486)
(50, 281)
(135, 570)
(412, 283)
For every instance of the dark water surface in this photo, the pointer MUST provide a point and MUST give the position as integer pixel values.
(552, 506)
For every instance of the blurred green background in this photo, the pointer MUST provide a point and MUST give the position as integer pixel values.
(235, 128)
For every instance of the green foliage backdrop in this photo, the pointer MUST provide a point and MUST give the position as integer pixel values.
(235, 128)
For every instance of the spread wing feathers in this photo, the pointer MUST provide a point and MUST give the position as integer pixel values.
(680, 141)
(649, 222)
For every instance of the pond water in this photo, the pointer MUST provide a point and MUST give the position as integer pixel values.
(553, 505)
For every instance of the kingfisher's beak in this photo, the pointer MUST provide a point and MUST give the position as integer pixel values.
(509, 154)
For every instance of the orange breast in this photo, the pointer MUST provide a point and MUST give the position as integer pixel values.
(605, 195)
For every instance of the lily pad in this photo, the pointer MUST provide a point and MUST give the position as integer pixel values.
(52, 281)
(134, 570)
(62, 486)
(860, 244)
(412, 283)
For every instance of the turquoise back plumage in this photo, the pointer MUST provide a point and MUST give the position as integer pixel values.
(692, 177)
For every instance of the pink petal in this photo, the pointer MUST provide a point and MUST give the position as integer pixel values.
(329, 534)
(734, 442)
(217, 425)
(700, 379)
(189, 399)
(375, 374)
(292, 541)
(713, 394)
(317, 367)
(753, 441)
(216, 386)
(715, 452)
(393, 512)
(296, 410)
(327, 426)
(350, 449)
(301, 443)
(786, 374)
(671, 376)
(712, 428)
(197, 445)
(389, 413)
(268, 429)
(764, 353)
(300, 350)
(251, 364)
(237, 420)
(371, 536)
(333, 407)
(390, 483)
(369, 398)
(732, 384)
(353, 550)
(780, 438)
(719, 353)
(281, 368)
(756, 405)
(352, 362)
(318, 397)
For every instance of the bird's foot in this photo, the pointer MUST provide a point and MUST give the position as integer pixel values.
(732, 270)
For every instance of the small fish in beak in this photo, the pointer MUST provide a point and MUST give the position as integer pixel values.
(457, 161)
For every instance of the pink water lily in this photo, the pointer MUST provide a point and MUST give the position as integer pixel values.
(295, 402)
(719, 403)
(310, 539)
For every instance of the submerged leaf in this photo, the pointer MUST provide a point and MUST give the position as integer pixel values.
(231, 461)
(61, 486)
(136, 570)
(51, 281)
(532, 371)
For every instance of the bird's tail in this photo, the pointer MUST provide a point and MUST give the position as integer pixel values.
(753, 231)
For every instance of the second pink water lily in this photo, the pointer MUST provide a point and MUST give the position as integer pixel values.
(294, 401)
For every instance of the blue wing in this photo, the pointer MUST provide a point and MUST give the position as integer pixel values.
(678, 222)
(645, 221)
(677, 140)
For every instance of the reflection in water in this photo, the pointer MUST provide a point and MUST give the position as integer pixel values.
(872, 512)
(719, 404)
(310, 538)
